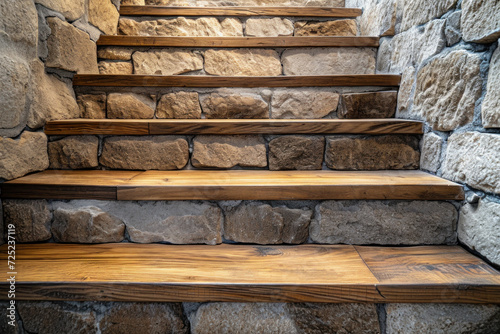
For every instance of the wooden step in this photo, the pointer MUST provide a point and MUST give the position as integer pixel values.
(239, 11)
(231, 185)
(237, 273)
(209, 81)
(237, 42)
(232, 126)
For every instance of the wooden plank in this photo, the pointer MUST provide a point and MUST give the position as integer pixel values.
(239, 11)
(97, 127)
(237, 42)
(208, 81)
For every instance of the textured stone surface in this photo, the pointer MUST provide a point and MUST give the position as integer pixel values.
(19, 27)
(452, 30)
(6, 316)
(31, 217)
(115, 67)
(133, 2)
(74, 152)
(114, 53)
(71, 9)
(70, 48)
(230, 105)
(243, 62)
(268, 27)
(447, 89)
(368, 105)
(384, 223)
(430, 158)
(130, 105)
(296, 152)
(372, 153)
(296, 224)
(166, 62)
(480, 20)
(473, 158)
(145, 153)
(326, 28)
(92, 105)
(442, 318)
(405, 95)
(379, 18)
(303, 103)
(490, 109)
(229, 151)
(104, 15)
(179, 105)
(416, 12)
(205, 27)
(24, 155)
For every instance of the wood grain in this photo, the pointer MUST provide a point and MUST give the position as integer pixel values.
(208, 81)
(239, 11)
(237, 42)
(98, 127)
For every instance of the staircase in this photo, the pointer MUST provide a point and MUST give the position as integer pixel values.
(240, 266)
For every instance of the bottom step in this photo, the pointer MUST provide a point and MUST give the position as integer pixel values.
(238, 273)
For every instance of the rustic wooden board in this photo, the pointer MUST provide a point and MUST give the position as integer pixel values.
(239, 11)
(135, 80)
(98, 127)
(238, 42)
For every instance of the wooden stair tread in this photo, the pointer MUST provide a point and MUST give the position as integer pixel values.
(304, 273)
(239, 11)
(238, 42)
(232, 185)
(231, 126)
(209, 81)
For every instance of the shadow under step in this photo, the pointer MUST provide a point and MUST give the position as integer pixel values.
(237, 273)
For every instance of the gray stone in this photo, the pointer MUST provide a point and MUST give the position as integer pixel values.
(325, 61)
(19, 27)
(242, 62)
(115, 67)
(104, 15)
(229, 151)
(368, 105)
(71, 9)
(372, 153)
(480, 20)
(405, 95)
(430, 158)
(31, 219)
(145, 152)
(473, 158)
(326, 28)
(179, 105)
(268, 27)
(416, 12)
(74, 152)
(384, 56)
(442, 318)
(379, 18)
(384, 223)
(92, 105)
(166, 62)
(9, 319)
(490, 109)
(237, 106)
(115, 53)
(296, 152)
(130, 105)
(296, 224)
(452, 31)
(303, 103)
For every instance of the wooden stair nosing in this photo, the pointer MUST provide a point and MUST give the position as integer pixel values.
(240, 11)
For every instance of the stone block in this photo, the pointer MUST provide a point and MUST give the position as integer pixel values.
(114, 53)
(480, 20)
(326, 28)
(452, 30)
(243, 62)
(31, 218)
(296, 153)
(236, 106)
(379, 18)
(115, 67)
(131, 106)
(368, 105)
(417, 12)
(74, 152)
(104, 15)
(268, 27)
(303, 103)
(71, 9)
(490, 109)
(430, 158)
(19, 28)
(166, 62)
(405, 94)
(92, 105)
(181, 105)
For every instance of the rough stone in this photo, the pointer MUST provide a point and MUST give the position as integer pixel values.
(71, 9)
(236, 106)
(166, 62)
(452, 30)
(31, 218)
(295, 224)
(473, 158)
(179, 105)
(269, 27)
(243, 62)
(145, 153)
(104, 15)
(19, 27)
(325, 61)
(92, 105)
(229, 151)
(372, 153)
(24, 155)
(326, 28)
(5, 318)
(384, 223)
(379, 18)
(480, 20)
(130, 105)
(384, 55)
(405, 95)
(204, 27)
(430, 158)
(368, 105)
(303, 103)
(296, 152)
(74, 152)
(442, 318)
(115, 53)
(70, 48)
(416, 12)
(490, 109)
(115, 67)
(447, 90)
(143, 317)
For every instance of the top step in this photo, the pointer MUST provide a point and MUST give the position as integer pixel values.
(239, 11)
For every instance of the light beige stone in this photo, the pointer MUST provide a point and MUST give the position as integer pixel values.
(326, 28)
(24, 155)
(133, 2)
(237, 106)
(303, 103)
(104, 15)
(368, 105)
(115, 67)
(379, 18)
(474, 158)
(490, 109)
(181, 105)
(166, 62)
(447, 90)
(430, 158)
(243, 62)
(405, 94)
(229, 151)
(19, 27)
(329, 61)
(416, 12)
(31, 219)
(92, 105)
(480, 20)
(131, 106)
(268, 27)
(384, 56)
(115, 53)
(74, 152)
(296, 153)
(71, 9)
